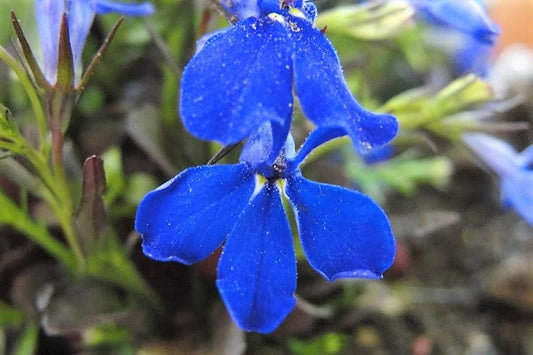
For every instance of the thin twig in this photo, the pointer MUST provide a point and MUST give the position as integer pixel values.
(222, 153)
(163, 48)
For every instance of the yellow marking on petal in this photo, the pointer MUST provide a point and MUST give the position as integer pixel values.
(282, 184)
(296, 12)
(260, 182)
(276, 17)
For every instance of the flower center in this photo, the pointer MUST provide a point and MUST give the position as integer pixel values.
(278, 168)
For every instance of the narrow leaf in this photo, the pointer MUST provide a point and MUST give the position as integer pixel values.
(98, 56)
(28, 54)
(27, 343)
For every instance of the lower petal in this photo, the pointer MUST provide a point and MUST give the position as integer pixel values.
(518, 194)
(257, 270)
(188, 217)
(343, 233)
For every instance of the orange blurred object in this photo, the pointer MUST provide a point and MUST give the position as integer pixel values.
(515, 18)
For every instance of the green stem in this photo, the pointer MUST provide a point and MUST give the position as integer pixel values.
(327, 148)
(59, 201)
(32, 95)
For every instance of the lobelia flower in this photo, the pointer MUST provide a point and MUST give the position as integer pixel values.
(343, 233)
(80, 16)
(244, 76)
(466, 16)
(514, 169)
(469, 18)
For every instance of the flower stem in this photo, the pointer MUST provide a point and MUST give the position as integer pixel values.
(32, 95)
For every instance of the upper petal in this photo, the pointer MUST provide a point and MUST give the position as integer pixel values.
(48, 17)
(257, 270)
(266, 144)
(188, 217)
(238, 81)
(343, 233)
(517, 193)
(324, 94)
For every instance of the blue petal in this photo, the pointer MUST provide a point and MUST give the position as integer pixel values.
(208, 37)
(48, 22)
(517, 193)
(315, 138)
(525, 159)
(309, 10)
(265, 145)
(466, 16)
(343, 233)
(188, 217)
(499, 155)
(472, 57)
(128, 9)
(80, 19)
(257, 270)
(238, 81)
(324, 95)
(379, 155)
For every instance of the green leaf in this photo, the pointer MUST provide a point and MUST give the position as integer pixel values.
(27, 343)
(419, 108)
(116, 180)
(30, 90)
(28, 53)
(109, 262)
(9, 316)
(326, 344)
(18, 174)
(461, 94)
(403, 173)
(12, 215)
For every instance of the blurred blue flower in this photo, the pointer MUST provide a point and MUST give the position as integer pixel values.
(514, 169)
(244, 77)
(469, 18)
(466, 16)
(80, 15)
(343, 233)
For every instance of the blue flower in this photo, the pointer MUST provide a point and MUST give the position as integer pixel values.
(515, 171)
(80, 15)
(245, 76)
(466, 16)
(469, 18)
(343, 233)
